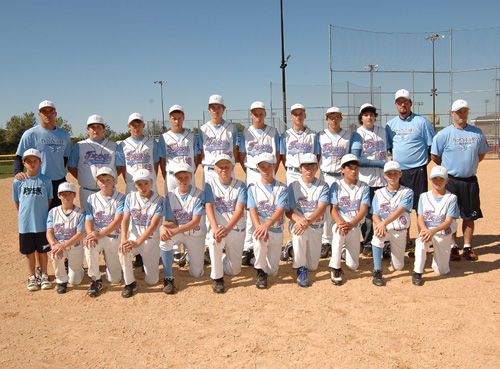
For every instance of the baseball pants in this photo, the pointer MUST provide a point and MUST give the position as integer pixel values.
(307, 248)
(441, 259)
(351, 241)
(150, 252)
(267, 254)
(75, 274)
(292, 176)
(196, 250)
(230, 263)
(398, 245)
(108, 246)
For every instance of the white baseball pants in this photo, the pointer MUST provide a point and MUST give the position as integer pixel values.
(150, 252)
(230, 263)
(267, 254)
(441, 259)
(398, 246)
(75, 274)
(351, 241)
(109, 246)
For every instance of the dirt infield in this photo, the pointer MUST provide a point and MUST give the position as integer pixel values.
(451, 321)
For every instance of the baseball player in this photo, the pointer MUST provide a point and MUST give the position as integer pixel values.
(225, 201)
(32, 199)
(177, 146)
(331, 145)
(256, 140)
(65, 229)
(267, 204)
(296, 141)
(369, 143)
(54, 145)
(460, 148)
(89, 155)
(142, 213)
(391, 209)
(437, 211)
(350, 200)
(308, 202)
(102, 223)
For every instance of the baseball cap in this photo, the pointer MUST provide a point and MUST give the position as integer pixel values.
(216, 99)
(224, 156)
(135, 116)
(266, 157)
(402, 93)
(439, 171)
(257, 105)
(308, 158)
(297, 106)
(46, 103)
(105, 170)
(392, 165)
(95, 119)
(332, 110)
(142, 175)
(32, 152)
(459, 104)
(175, 108)
(183, 167)
(66, 187)
(366, 106)
(349, 157)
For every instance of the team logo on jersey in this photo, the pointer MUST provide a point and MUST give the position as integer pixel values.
(102, 219)
(133, 157)
(265, 209)
(255, 148)
(182, 217)
(92, 158)
(433, 220)
(32, 191)
(402, 134)
(175, 150)
(328, 150)
(387, 209)
(224, 206)
(63, 233)
(213, 144)
(295, 147)
(305, 205)
(370, 145)
(55, 145)
(139, 218)
(347, 204)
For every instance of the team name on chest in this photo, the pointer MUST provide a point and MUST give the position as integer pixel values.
(345, 201)
(62, 230)
(430, 216)
(91, 157)
(306, 205)
(102, 217)
(32, 191)
(223, 204)
(299, 147)
(213, 143)
(329, 148)
(137, 157)
(255, 148)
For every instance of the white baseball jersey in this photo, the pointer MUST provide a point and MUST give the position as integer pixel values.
(225, 201)
(65, 226)
(104, 211)
(374, 147)
(142, 213)
(333, 146)
(307, 199)
(139, 156)
(216, 141)
(179, 149)
(435, 212)
(350, 199)
(388, 205)
(267, 203)
(93, 156)
(183, 210)
(257, 144)
(297, 144)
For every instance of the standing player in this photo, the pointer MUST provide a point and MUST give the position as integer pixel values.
(54, 145)
(296, 141)
(369, 143)
(225, 201)
(308, 202)
(267, 204)
(331, 145)
(89, 155)
(459, 148)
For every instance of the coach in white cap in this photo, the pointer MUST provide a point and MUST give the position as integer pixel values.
(54, 145)
(459, 148)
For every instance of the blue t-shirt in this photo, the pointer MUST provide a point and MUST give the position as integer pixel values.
(459, 149)
(33, 196)
(406, 202)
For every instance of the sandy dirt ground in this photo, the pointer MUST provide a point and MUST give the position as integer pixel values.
(451, 321)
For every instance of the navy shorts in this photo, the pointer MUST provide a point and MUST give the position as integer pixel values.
(467, 191)
(416, 179)
(31, 242)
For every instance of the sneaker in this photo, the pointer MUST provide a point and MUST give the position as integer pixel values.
(386, 254)
(38, 273)
(168, 285)
(377, 278)
(218, 286)
(367, 251)
(287, 251)
(416, 279)
(326, 250)
(177, 257)
(129, 290)
(138, 261)
(32, 283)
(302, 280)
(469, 254)
(247, 257)
(62, 287)
(261, 279)
(95, 287)
(336, 276)
(44, 282)
(455, 254)
(183, 260)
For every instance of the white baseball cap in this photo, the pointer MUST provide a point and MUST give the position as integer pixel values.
(366, 106)
(142, 175)
(95, 119)
(297, 106)
(332, 110)
(46, 103)
(106, 170)
(266, 157)
(349, 157)
(135, 116)
(32, 152)
(183, 167)
(308, 158)
(216, 99)
(459, 104)
(402, 93)
(257, 105)
(66, 187)
(175, 108)
(224, 156)
(392, 165)
(439, 171)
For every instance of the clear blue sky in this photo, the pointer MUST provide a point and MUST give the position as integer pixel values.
(101, 57)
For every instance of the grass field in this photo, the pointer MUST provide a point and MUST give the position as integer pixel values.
(6, 171)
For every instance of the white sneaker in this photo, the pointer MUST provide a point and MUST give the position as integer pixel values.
(32, 283)
(44, 282)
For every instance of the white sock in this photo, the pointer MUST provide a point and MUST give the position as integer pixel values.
(467, 245)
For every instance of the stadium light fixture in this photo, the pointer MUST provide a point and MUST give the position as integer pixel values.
(372, 68)
(162, 111)
(433, 38)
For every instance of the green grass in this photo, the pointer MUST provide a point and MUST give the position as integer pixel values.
(6, 171)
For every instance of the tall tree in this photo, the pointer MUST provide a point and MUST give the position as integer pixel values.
(63, 123)
(15, 128)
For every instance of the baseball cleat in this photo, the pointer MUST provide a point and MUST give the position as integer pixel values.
(377, 278)
(129, 290)
(183, 259)
(261, 279)
(44, 282)
(32, 283)
(138, 261)
(95, 287)
(326, 250)
(469, 254)
(367, 251)
(336, 276)
(416, 279)
(386, 254)
(206, 259)
(287, 251)
(247, 257)
(218, 286)
(302, 280)
(61, 288)
(168, 285)
(455, 254)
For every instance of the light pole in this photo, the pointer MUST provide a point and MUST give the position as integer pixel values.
(418, 104)
(433, 38)
(162, 111)
(372, 68)
(283, 64)
(486, 102)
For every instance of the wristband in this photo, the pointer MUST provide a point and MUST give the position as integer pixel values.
(271, 219)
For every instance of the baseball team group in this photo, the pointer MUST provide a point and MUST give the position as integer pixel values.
(359, 203)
